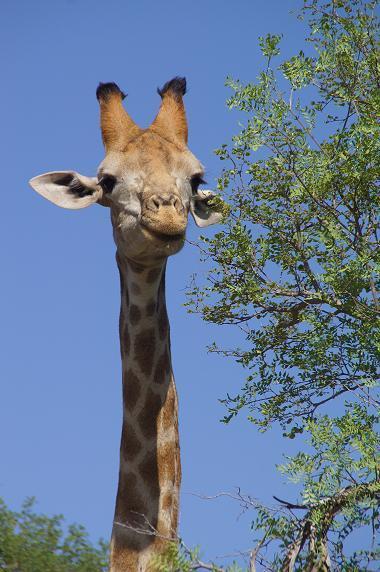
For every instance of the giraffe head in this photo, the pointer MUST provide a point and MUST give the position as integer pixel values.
(148, 178)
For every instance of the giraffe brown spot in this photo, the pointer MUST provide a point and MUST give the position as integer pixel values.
(130, 445)
(144, 346)
(148, 415)
(153, 274)
(135, 288)
(150, 308)
(131, 389)
(131, 510)
(167, 501)
(134, 314)
(123, 285)
(148, 471)
(163, 323)
(125, 339)
(162, 368)
(136, 267)
(121, 326)
(161, 291)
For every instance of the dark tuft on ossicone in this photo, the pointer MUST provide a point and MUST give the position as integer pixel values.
(177, 86)
(105, 90)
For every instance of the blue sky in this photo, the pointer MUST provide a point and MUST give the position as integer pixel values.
(60, 407)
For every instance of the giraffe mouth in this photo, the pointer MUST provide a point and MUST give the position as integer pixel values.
(162, 236)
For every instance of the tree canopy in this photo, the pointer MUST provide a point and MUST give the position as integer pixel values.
(296, 268)
(32, 542)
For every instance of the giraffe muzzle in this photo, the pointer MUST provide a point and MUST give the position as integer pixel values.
(164, 214)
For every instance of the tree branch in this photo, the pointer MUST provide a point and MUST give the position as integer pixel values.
(318, 558)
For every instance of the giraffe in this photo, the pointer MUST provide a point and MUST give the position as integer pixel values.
(149, 180)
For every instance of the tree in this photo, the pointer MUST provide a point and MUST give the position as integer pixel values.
(30, 542)
(296, 268)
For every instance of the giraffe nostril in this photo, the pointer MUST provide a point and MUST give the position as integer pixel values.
(156, 202)
(177, 204)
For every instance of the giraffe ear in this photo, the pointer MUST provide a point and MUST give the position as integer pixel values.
(68, 189)
(203, 210)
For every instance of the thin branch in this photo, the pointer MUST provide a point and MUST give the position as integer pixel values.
(327, 509)
(291, 505)
(255, 551)
(150, 530)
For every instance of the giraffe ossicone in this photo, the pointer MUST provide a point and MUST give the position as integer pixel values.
(149, 180)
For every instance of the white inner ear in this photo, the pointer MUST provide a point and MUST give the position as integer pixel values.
(61, 194)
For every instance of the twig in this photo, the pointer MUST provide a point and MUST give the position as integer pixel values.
(291, 505)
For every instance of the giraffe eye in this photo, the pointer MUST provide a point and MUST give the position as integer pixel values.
(195, 181)
(107, 182)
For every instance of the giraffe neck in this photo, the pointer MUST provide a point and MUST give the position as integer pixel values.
(150, 473)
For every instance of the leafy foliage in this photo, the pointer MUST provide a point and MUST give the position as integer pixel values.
(31, 542)
(173, 559)
(179, 558)
(296, 269)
